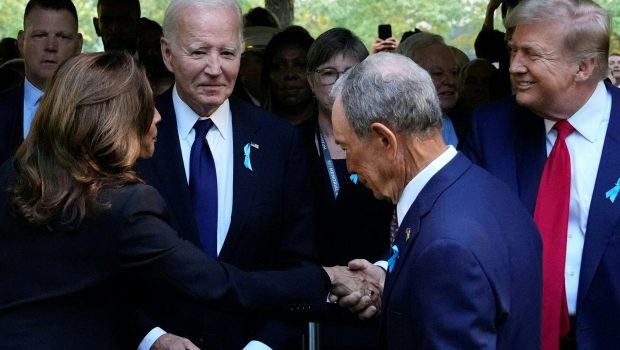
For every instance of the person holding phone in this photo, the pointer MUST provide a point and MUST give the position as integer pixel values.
(385, 42)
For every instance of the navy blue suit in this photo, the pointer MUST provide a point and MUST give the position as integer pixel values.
(11, 121)
(469, 271)
(509, 141)
(271, 225)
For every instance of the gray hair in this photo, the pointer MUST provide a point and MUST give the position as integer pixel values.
(585, 25)
(390, 89)
(419, 41)
(171, 21)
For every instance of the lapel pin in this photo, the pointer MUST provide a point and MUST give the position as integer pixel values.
(246, 154)
(613, 192)
(407, 234)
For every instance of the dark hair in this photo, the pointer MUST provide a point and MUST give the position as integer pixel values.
(260, 16)
(147, 23)
(332, 42)
(8, 49)
(57, 5)
(135, 4)
(86, 136)
(409, 33)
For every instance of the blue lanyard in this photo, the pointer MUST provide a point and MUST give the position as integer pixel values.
(329, 163)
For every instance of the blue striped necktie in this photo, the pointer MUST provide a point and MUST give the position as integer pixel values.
(203, 187)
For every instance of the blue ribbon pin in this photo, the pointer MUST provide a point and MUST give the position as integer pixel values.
(613, 193)
(353, 178)
(392, 259)
(246, 153)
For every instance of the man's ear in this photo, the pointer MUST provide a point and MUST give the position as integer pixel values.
(385, 138)
(80, 41)
(166, 54)
(96, 25)
(20, 42)
(585, 69)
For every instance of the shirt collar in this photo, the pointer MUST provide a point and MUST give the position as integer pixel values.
(32, 94)
(415, 186)
(590, 116)
(186, 117)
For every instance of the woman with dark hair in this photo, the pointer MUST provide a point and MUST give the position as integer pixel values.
(283, 76)
(82, 238)
(351, 223)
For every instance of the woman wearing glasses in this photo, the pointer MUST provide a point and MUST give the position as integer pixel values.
(351, 223)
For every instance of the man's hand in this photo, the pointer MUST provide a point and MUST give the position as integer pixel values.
(359, 304)
(170, 341)
(358, 287)
(387, 45)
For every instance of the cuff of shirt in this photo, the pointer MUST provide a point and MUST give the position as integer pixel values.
(382, 264)
(256, 345)
(150, 338)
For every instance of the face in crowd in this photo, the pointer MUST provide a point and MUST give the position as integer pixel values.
(438, 60)
(204, 54)
(326, 74)
(540, 69)
(49, 38)
(117, 24)
(288, 81)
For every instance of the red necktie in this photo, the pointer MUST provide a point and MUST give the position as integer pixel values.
(551, 217)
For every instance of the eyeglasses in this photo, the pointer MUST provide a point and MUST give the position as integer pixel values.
(328, 76)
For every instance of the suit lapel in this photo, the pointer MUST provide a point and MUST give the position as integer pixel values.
(603, 215)
(420, 207)
(531, 155)
(245, 129)
(168, 164)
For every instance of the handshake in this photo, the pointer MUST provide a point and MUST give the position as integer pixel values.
(357, 287)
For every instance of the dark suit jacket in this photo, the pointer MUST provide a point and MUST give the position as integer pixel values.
(11, 121)
(75, 289)
(509, 141)
(469, 276)
(271, 225)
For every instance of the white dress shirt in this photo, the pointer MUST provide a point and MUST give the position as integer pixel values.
(220, 139)
(32, 95)
(415, 186)
(585, 146)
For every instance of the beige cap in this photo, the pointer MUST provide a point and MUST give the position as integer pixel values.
(257, 38)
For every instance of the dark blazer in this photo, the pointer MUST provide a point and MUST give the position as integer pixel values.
(469, 276)
(76, 289)
(271, 225)
(509, 141)
(11, 121)
(353, 226)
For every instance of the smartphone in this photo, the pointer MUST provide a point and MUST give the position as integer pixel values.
(385, 31)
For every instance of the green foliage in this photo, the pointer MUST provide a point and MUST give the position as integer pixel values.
(457, 20)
